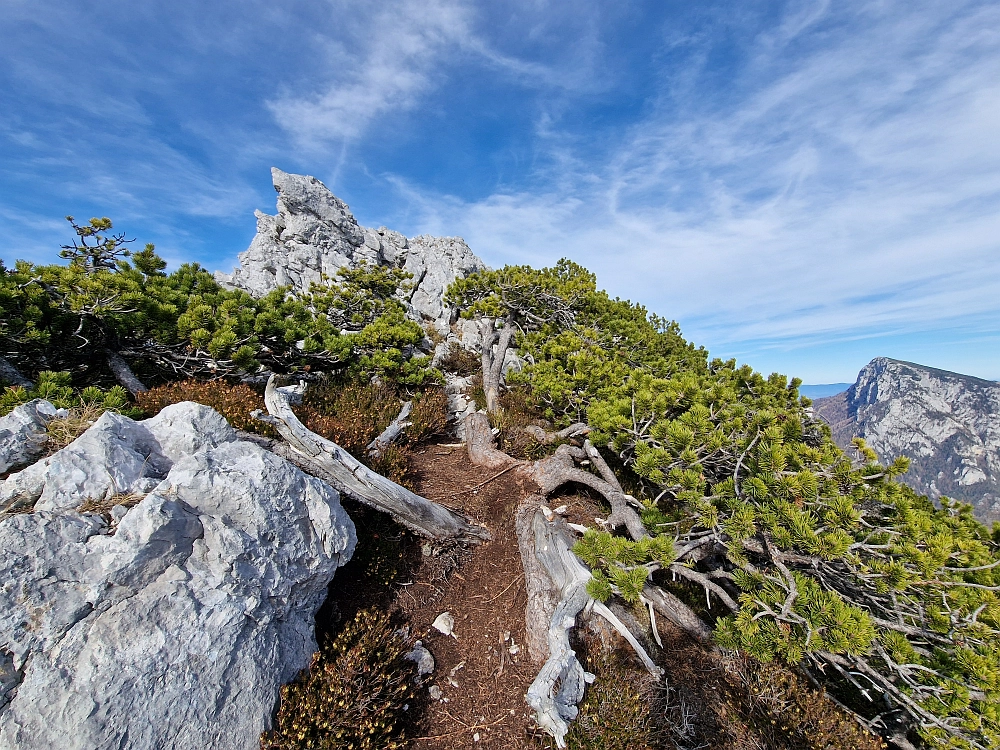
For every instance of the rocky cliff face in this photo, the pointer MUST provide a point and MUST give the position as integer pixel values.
(314, 234)
(947, 424)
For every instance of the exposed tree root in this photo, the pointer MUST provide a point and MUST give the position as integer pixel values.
(557, 587)
(556, 580)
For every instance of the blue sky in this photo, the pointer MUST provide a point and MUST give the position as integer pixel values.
(803, 186)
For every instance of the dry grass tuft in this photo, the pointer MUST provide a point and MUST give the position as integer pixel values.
(64, 430)
(104, 505)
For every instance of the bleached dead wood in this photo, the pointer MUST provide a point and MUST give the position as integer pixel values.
(677, 612)
(625, 633)
(391, 433)
(325, 459)
(481, 445)
(123, 373)
(546, 548)
(542, 436)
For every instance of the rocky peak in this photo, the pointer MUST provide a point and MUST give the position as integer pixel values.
(314, 234)
(946, 423)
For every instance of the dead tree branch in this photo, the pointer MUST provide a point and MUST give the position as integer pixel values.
(123, 373)
(328, 461)
(391, 433)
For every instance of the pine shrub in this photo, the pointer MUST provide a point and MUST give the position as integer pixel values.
(57, 388)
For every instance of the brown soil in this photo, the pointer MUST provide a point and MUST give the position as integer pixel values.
(484, 672)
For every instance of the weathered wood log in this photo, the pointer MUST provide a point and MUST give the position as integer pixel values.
(12, 376)
(123, 373)
(481, 445)
(391, 433)
(325, 459)
(677, 612)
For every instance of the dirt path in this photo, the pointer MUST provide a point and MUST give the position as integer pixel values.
(484, 672)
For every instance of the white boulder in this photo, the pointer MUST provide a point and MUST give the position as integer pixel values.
(116, 456)
(176, 627)
(23, 434)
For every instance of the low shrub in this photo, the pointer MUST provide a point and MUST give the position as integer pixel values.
(354, 694)
(616, 713)
(461, 361)
(517, 411)
(781, 705)
(351, 414)
(429, 417)
(234, 402)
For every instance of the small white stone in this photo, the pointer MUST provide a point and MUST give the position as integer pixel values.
(444, 623)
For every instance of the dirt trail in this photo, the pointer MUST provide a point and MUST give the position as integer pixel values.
(484, 673)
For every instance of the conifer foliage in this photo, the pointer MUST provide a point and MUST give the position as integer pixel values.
(108, 302)
(806, 553)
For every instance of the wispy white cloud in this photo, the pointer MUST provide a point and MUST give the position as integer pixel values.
(381, 65)
(398, 51)
(846, 183)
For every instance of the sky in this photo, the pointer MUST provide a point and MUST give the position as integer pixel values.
(801, 185)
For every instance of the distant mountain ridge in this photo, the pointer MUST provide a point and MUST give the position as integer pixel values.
(948, 424)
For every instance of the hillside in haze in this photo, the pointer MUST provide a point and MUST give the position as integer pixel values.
(946, 423)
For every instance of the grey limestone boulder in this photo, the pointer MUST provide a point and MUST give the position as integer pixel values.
(22, 433)
(175, 626)
(314, 234)
(116, 456)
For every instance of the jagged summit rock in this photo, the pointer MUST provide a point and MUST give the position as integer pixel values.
(946, 423)
(314, 234)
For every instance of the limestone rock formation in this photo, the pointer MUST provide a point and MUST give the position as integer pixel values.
(172, 623)
(314, 234)
(116, 456)
(947, 424)
(22, 433)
